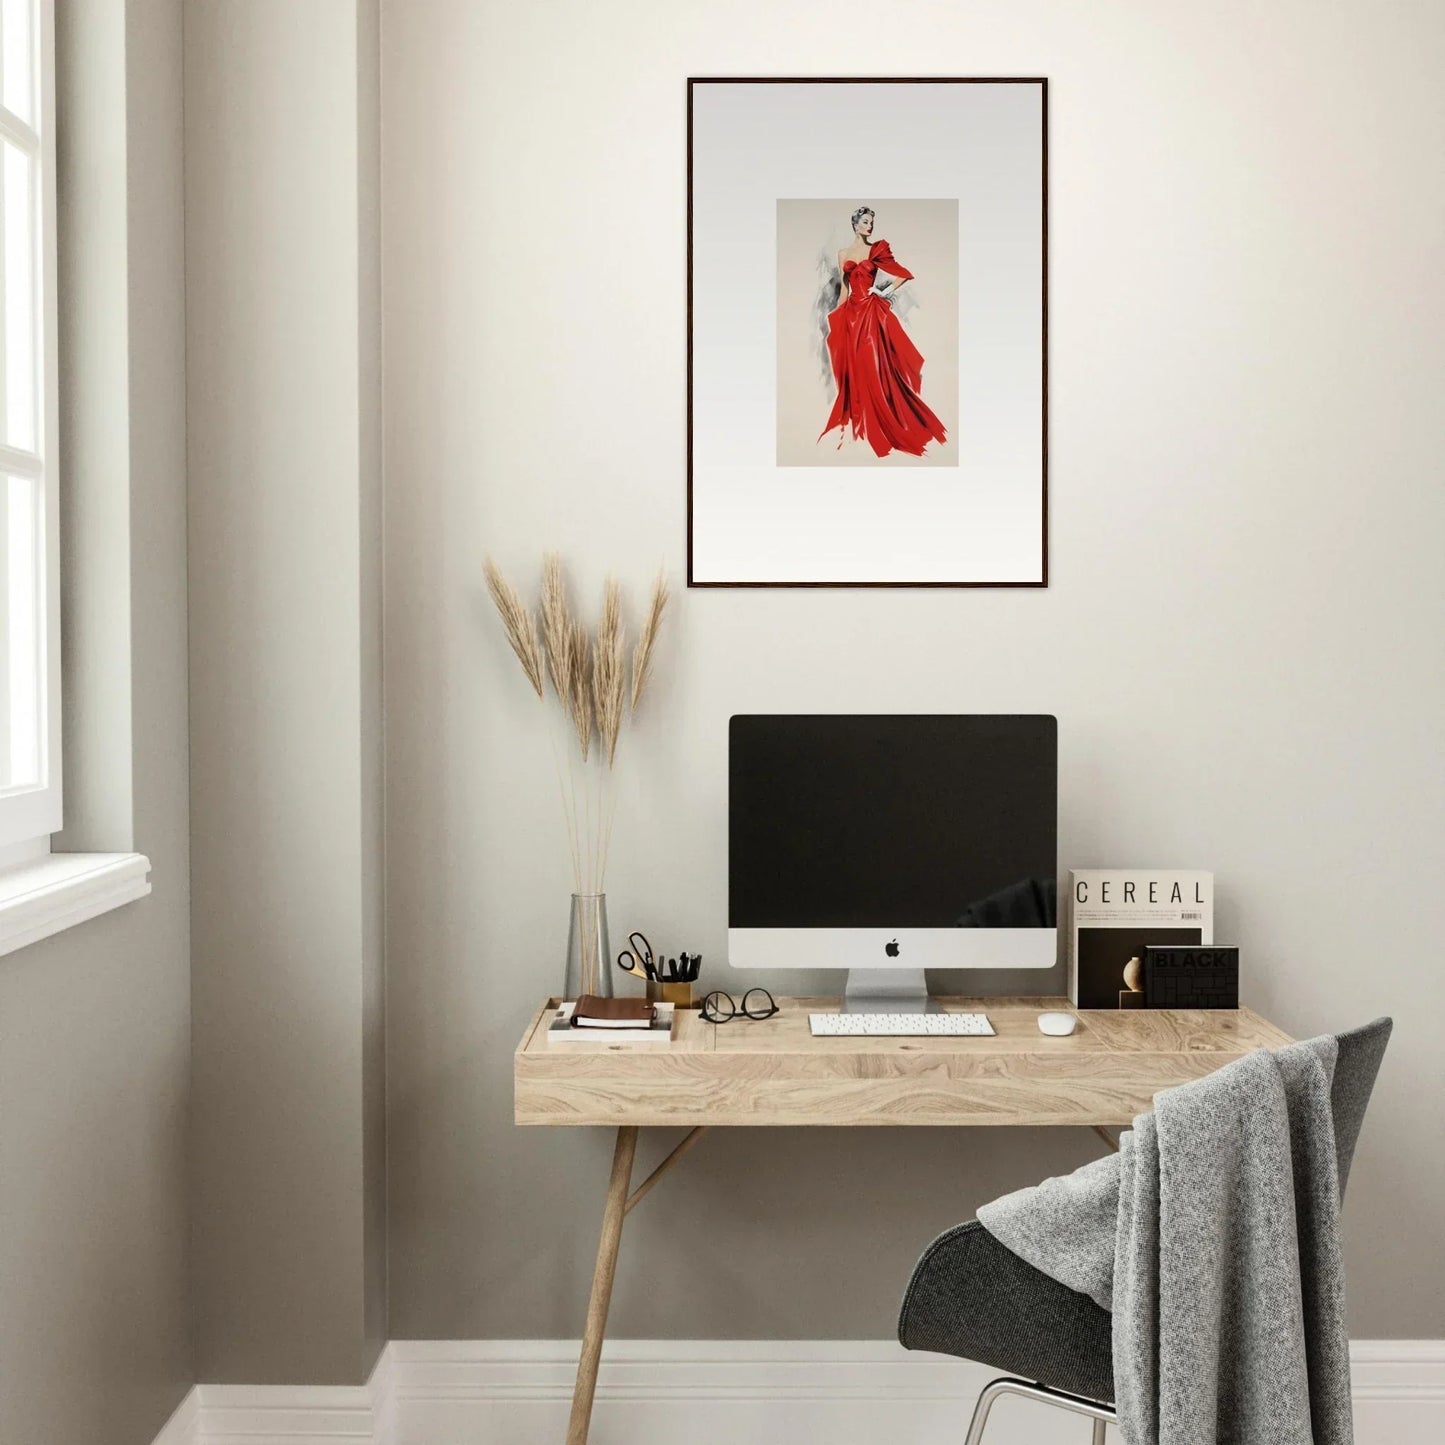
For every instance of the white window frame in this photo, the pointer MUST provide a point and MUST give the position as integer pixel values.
(41, 892)
(30, 814)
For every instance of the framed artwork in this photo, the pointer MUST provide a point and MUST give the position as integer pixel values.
(867, 333)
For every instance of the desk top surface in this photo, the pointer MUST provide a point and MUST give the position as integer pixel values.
(774, 1072)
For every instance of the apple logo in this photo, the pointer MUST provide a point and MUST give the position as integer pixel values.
(891, 949)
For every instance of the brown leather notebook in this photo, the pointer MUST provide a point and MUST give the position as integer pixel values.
(593, 1012)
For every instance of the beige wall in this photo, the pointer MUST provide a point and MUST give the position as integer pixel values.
(94, 1023)
(1241, 639)
(283, 448)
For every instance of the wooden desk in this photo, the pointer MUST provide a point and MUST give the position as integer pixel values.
(772, 1072)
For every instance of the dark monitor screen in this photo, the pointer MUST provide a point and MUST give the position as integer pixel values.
(892, 822)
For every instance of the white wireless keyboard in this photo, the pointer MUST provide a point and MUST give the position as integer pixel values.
(908, 1026)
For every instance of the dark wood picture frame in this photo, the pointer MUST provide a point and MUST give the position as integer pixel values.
(1042, 82)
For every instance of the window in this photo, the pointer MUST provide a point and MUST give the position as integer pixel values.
(30, 802)
(41, 893)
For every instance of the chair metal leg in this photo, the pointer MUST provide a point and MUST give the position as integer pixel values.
(1099, 1413)
(980, 1411)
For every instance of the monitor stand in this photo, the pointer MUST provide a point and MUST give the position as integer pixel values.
(887, 991)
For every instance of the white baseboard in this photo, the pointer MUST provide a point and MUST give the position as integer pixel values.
(1399, 1391)
(289, 1414)
(714, 1392)
(184, 1427)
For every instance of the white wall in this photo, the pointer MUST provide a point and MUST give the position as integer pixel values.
(1241, 638)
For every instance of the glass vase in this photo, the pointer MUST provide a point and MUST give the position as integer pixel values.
(589, 955)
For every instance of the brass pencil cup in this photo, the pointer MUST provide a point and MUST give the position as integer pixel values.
(677, 994)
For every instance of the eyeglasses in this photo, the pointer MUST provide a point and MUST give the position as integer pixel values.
(718, 1007)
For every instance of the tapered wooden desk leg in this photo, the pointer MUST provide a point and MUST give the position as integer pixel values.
(601, 1297)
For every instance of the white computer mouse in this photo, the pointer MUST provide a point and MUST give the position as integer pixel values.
(1057, 1024)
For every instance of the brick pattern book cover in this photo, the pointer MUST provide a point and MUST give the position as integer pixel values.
(1190, 976)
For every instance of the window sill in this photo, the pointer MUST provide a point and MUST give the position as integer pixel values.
(63, 889)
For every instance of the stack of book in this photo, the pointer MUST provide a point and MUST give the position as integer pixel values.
(611, 1021)
(1117, 913)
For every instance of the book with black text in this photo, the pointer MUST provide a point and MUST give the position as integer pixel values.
(1115, 913)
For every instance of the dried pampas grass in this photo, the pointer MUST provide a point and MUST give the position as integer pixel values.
(579, 685)
(647, 640)
(518, 623)
(589, 678)
(556, 625)
(609, 677)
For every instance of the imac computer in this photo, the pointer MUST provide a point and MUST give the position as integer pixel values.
(887, 845)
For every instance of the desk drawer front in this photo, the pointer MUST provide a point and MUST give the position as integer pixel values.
(906, 1087)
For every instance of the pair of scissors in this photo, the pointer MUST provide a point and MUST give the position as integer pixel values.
(637, 958)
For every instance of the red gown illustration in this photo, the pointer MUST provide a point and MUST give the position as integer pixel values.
(878, 369)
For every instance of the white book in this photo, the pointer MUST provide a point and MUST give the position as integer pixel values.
(1115, 912)
(561, 1030)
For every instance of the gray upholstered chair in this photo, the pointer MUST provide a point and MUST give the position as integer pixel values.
(972, 1297)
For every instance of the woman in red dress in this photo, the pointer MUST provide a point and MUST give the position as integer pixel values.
(878, 369)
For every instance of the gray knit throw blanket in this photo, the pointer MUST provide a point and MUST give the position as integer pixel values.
(1213, 1236)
